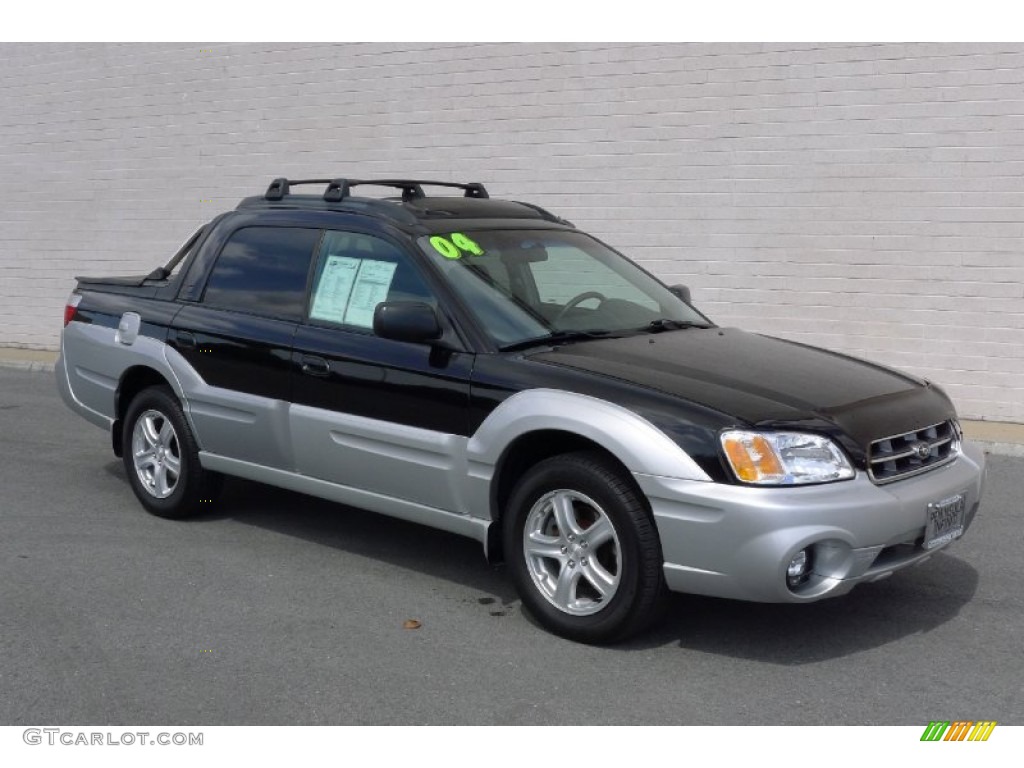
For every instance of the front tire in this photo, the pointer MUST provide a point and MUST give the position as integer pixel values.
(161, 457)
(583, 550)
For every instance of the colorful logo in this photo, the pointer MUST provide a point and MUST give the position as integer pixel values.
(958, 730)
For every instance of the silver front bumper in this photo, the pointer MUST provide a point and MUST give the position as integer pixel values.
(732, 541)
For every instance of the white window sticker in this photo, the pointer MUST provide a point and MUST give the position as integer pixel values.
(350, 290)
(373, 281)
(334, 288)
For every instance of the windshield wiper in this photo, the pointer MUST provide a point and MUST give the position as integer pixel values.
(556, 337)
(667, 324)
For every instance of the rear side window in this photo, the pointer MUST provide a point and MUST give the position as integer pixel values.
(263, 270)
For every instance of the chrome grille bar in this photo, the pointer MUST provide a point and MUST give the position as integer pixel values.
(911, 453)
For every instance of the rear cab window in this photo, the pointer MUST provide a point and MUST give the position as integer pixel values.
(263, 271)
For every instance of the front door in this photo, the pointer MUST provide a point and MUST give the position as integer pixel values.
(379, 415)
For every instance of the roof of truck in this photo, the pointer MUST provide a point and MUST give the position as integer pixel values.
(413, 209)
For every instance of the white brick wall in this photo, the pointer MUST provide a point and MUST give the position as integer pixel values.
(868, 198)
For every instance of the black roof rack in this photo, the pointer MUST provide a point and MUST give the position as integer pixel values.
(338, 189)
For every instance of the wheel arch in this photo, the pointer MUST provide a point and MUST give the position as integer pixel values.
(525, 452)
(132, 381)
(534, 425)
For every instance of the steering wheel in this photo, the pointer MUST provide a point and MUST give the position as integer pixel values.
(578, 299)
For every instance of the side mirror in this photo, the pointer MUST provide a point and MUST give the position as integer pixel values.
(413, 321)
(682, 291)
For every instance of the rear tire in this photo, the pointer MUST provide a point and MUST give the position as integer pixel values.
(161, 457)
(583, 549)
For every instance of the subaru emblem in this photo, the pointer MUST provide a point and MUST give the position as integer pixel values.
(922, 450)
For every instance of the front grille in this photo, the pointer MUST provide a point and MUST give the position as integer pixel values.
(899, 456)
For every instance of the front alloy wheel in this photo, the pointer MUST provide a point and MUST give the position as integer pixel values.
(572, 552)
(582, 548)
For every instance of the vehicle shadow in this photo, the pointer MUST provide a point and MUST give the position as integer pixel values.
(438, 554)
(916, 600)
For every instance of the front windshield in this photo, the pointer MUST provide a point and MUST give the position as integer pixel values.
(528, 284)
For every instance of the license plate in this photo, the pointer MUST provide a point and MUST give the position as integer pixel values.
(945, 521)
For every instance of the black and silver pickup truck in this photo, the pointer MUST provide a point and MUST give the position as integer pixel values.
(484, 367)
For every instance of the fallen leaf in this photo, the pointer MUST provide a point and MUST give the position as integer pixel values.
(412, 624)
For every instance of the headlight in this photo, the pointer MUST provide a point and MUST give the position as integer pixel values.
(784, 458)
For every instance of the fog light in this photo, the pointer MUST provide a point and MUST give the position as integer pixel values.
(798, 568)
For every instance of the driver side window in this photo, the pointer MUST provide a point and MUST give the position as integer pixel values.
(354, 273)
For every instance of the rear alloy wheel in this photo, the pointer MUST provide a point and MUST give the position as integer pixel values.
(156, 454)
(161, 457)
(583, 549)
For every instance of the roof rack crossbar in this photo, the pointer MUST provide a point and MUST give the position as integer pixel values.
(280, 187)
(338, 189)
(412, 189)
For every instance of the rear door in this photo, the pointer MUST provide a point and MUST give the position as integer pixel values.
(236, 341)
(375, 414)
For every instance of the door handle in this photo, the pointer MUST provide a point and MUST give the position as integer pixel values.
(185, 339)
(315, 366)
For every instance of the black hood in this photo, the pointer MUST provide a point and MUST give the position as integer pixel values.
(764, 381)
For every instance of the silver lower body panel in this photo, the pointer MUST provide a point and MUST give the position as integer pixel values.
(464, 525)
